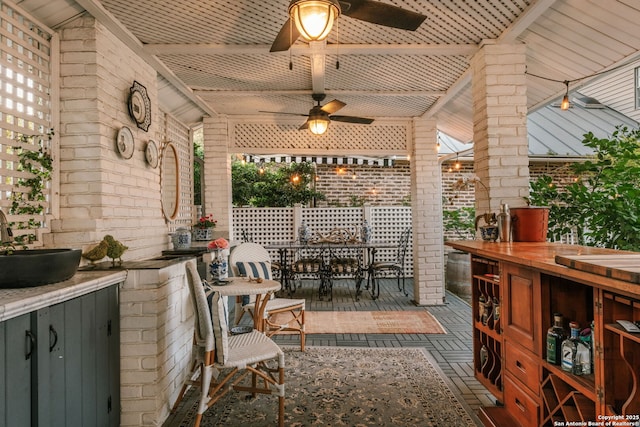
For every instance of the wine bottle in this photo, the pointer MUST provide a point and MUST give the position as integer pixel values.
(555, 336)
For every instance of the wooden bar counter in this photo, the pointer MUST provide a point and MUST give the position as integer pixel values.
(516, 289)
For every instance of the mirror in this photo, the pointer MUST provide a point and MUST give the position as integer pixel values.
(170, 181)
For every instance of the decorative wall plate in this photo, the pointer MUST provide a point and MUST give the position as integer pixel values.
(140, 106)
(151, 154)
(125, 143)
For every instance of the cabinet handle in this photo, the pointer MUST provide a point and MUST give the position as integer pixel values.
(53, 332)
(31, 344)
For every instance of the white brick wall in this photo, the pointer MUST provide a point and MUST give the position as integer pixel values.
(426, 203)
(100, 192)
(500, 125)
(156, 330)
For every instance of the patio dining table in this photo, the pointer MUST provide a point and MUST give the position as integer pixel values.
(286, 249)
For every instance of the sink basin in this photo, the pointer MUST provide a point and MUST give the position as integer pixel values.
(37, 267)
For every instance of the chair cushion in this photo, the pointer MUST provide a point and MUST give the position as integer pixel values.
(260, 269)
(220, 320)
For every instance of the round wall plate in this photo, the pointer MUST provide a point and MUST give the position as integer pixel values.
(125, 142)
(151, 154)
(140, 106)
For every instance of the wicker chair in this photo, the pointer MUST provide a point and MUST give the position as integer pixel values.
(395, 267)
(215, 353)
(255, 261)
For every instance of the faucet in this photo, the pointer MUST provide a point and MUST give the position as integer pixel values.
(5, 231)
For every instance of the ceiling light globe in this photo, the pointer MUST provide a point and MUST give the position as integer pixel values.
(318, 126)
(314, 18)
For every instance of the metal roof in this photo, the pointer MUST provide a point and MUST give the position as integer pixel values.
(556, 133)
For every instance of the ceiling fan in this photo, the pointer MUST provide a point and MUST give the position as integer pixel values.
(320, 116)
(328, 10)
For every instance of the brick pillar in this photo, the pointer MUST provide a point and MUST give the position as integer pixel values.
(217, 174)
(426, 202)
(500, 125)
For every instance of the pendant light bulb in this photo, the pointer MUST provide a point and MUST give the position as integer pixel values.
(565, 104)
(314, 18)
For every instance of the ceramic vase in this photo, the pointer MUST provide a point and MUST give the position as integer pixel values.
(202, 233)
(181, 239)
(219, 267)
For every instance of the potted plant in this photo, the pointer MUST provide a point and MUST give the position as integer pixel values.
(600, 207)
(23, 267)
(203, 229)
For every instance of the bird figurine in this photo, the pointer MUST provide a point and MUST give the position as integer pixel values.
(115, 249)
(96, 253)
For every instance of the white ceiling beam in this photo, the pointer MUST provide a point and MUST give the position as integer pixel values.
(304, 50)
(318, 74)
(509, 35)
(204, 91)
(95, 8)
(526, 18)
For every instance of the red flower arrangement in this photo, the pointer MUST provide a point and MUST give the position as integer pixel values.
(220, 243)
(206, 221)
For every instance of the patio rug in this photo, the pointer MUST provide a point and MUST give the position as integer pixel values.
(338, 386)
(368, 322)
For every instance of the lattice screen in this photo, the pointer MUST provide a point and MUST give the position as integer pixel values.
(180, 135)
(264, 225)
(270, 225)
(288, 139)
(25, 98)
(387, 223)
(323, 220)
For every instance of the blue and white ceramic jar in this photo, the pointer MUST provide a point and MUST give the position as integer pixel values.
(304, 232)
(219, 267)
(366, 232)
(181, 239)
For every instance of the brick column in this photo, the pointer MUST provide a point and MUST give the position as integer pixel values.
(426, 202)
(217, 175)
(500, 125)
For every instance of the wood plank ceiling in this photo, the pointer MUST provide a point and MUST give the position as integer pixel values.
(217, 52)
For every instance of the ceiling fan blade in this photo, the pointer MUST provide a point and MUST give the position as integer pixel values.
(351, 119)
(382, 14)
(283, 112)
(332, 106)
(286, 37)
(304, 126)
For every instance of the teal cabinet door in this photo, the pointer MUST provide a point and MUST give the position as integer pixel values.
(79, 377)
(17, 351)
(60, 365)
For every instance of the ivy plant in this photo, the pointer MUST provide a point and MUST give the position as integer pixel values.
(603, 204)
(29, 194)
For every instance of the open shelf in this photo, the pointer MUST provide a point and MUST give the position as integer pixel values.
(563, 403)
(487, 333)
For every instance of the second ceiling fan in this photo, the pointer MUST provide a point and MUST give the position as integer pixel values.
(320, 116)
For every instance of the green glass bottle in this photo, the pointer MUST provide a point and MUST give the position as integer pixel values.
(555, 335)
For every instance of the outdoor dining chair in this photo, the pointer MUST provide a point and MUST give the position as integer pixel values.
(395, 266)
(221, 361)
(345, 261)
(309, 262)
(253, 260)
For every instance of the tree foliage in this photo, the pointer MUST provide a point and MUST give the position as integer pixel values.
(603, 203)
(272, 186)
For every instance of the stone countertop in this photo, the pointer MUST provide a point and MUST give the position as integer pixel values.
(18, 301)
